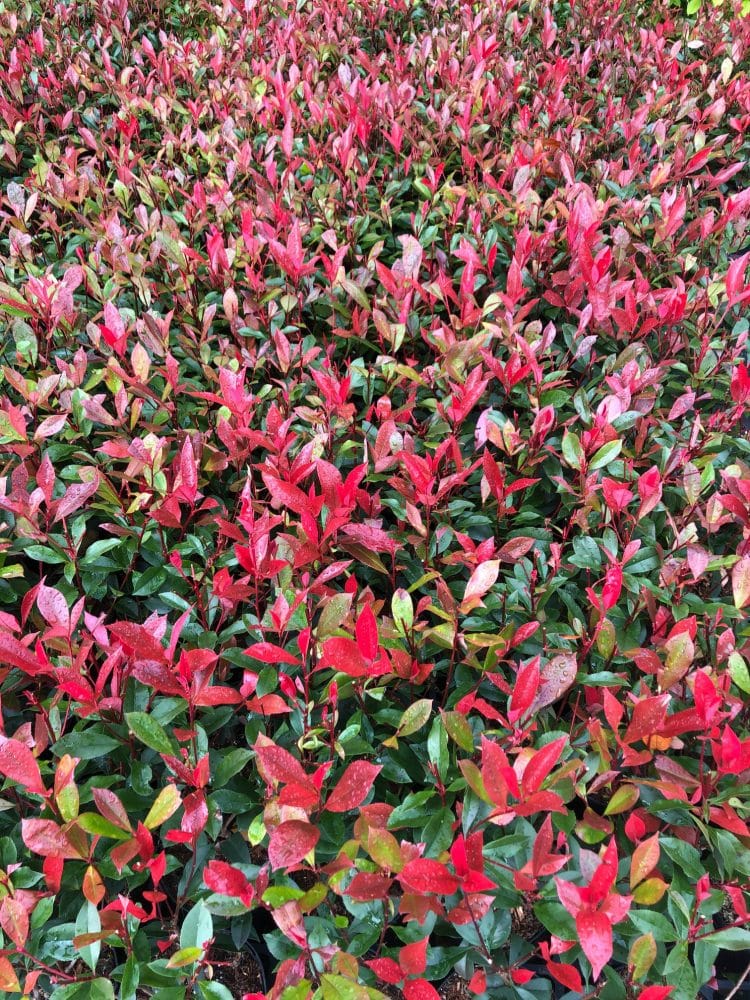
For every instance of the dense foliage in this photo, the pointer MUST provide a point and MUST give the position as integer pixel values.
(375, 544)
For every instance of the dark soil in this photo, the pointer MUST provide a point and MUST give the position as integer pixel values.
(239, 971)
(454, 988)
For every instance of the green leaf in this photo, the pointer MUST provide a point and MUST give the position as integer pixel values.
(197, 928)
(87, 744)
(739, 672)
(167, 803)
(557, 920)
(130, 979)
(212, 990)
(649, 922)
(437, 746)
(606, 454)
(572, 450)
(402, 609)
(730, 939)
(414, 717)
(459, 730)
(184, 956)
(88, 922)
(145, 728)
(411, 812)
(98, 826)
(229, 765)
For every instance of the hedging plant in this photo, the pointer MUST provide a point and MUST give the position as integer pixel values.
(375, 547)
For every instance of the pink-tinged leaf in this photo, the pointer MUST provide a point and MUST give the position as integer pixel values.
(75, 497)
(14, 919)
(219, 695)
(344, 656)
(612, 587)
(481, 580)
(515, 549)
(353, 786)
(267, 652)
(649, 490)
(370, 536)
(413, 957)
(419, 989)
(556, 678)
(277, 764)
(366, 631)
(50, 426)
(19, 764)
(741, 582)
(53, 606)
(111, 808)
(290, 842)
(188, 486)
(45, 838)
(595, 936)
(645, 858)
(423, 876)
(411, 258)
(226, 880)
(14, 654)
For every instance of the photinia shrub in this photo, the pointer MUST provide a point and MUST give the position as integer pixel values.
(374, 499)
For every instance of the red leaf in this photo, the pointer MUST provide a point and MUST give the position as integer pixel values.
(219, 695)
(649, 490)
(595, 935)
(648, 716)
(366, 631)
(655, 993)
(413, 957)
(420, 989)
(287, 495)
(19, 764)
(291, 842)
(541, 764)
(195, 815)
(15, 654)
(524, 690)
(366, 886)
(386, 969)
(612, 587)
(343, 655)
(267, 652)
(353, 786)
(423, 875)
(228, 881)
(138, 641)
(566, 974)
